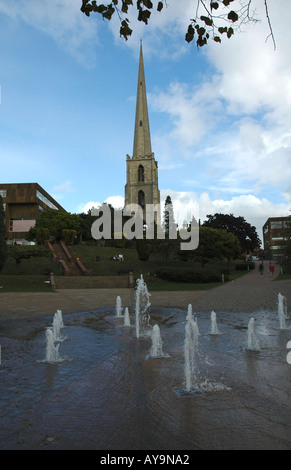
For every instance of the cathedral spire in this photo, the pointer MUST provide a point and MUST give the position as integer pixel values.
(142, 140)
(142, 169)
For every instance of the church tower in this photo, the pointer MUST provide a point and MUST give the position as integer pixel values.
(142, 169)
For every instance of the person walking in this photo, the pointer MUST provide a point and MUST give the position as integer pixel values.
(261, 269)
(271, 269)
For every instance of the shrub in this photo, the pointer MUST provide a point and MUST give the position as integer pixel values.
(142, 249)
(190, 275)
(245, 266)
(69, 236)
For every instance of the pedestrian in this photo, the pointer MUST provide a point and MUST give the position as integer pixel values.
(261, 269)
(271, 269)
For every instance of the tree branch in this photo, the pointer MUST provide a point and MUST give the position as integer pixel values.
(270, 25)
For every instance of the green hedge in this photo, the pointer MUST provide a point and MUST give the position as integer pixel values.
(189, 275)
(245, 266)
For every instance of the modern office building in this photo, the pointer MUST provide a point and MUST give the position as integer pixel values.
(23, 203)
(275, 235)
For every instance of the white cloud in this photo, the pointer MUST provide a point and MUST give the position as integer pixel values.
(60, 19)
(60, 190)
(255, 210)
(238, 120)
(191, 110)
(117, 202)
(187, 204)
(67, 186)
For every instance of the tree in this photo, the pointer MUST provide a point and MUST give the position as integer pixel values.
(142, 247)
(212, 19)
(3, 246)
(169, 222)
(20, 252)
(245, 232)
(54, 222)
(287, 247)
(216, 244)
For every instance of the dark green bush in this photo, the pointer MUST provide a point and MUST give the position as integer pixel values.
(245, 266)
(189, 275)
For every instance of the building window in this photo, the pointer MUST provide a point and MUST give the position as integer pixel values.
(140, 123)
(45, 200)
(141, 173)
(141, 199)
(21, 225)
(3, 192)
(276, 224)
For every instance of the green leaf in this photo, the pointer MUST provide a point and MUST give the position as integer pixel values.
(160, 6)
(108, 14)
(125, 30)
(201, 41)
(100, 8)
(208, 21)
(214, 5)
(124, 7)
(201, 31)
(148, 4)
(217, 39)
(144, 15)
(233, 16)
(230, 32)
(222, 30)
(190, 33)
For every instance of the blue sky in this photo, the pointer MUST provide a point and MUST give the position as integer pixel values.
(220, 117)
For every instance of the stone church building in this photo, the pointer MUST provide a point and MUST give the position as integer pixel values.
(142, 169)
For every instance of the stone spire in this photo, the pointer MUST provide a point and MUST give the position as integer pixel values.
(142, 140)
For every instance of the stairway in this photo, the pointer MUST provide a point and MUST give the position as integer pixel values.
(72, 266)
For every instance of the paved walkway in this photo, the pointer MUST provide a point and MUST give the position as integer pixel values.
(248, 293)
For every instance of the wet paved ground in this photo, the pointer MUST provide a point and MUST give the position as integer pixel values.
(108, 395)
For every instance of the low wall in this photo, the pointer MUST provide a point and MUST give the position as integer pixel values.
(90, 282)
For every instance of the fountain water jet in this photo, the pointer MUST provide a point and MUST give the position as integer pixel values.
(214, 329)
(189, 313)
(156, 350)
(190, 349)
(58, 324)
(282, 311)
(142, 305)
(118, 307)
(126, 317)
(60, 317)
(52, 349)
(194, 386)
(253, 344)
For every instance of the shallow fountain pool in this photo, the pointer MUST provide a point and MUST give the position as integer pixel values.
(107, 394)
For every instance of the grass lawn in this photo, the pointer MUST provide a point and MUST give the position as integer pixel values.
(282, 277)
(24, 283)
(29, 275)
